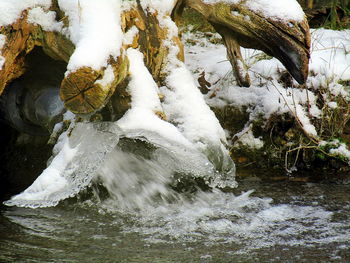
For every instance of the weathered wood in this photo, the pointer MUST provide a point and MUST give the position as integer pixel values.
(85, 90)
(288, 42)
(150, 40)
(21, 38)
(18, 43)
(82, 90)
(235, 57)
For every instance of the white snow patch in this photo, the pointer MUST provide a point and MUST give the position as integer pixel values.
(342, 150)
(160, 6)
(108, 77)
(130, 35)
(184, 104)
(329, 63)
(51, 179)
(142, 85)
(128, 5)
(330, 57)
(11, 10)
(47, 20)
(332, 104)
(284, 10)
(248, 139)
(2, 44)
(2, 41)
(94, 28)
(145, 102)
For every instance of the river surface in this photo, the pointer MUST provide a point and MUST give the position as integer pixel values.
(281, 221)
(153, 204)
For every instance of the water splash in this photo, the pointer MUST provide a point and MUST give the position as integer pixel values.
(136, 178)
(78, 157)
(91, 151)
(138, 175)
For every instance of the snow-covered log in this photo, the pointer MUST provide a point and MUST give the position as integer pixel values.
(126, 59)
(270, 26)
(19, 38)
(93, 40)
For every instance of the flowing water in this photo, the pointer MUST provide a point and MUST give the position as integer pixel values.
(145, 205)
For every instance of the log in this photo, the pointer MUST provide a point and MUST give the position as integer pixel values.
(17, 45)
(21, 38)
(86, 90)
(234, 55)
(288, 42)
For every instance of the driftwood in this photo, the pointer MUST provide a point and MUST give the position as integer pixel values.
(82, 92)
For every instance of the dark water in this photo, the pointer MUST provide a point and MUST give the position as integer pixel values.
(281, 221)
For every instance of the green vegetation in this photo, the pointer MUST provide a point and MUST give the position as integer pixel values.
(194, 21)
(332, 14)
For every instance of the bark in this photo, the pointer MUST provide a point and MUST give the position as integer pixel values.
(289, 44)
(21, 38)
(79, 89)
(235, 57)
(83, 92)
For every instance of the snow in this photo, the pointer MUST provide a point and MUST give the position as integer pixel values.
(145, 103)
(130, 35)
(160, 6)
(330, 54)
(108, 77)
(51, 179)
(127, 5)
(47, 20)
(282, 10)
(248, 139)
(2, 44)
(94, 28)
(332, 104)
(342, 151)
(329, 63)
(2, 40)
(147, 96)
(184, 104)
(11, 10)
(222, 1)
(336, 148)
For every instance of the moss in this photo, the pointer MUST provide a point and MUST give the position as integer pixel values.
(345, 83)
(194, 21)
